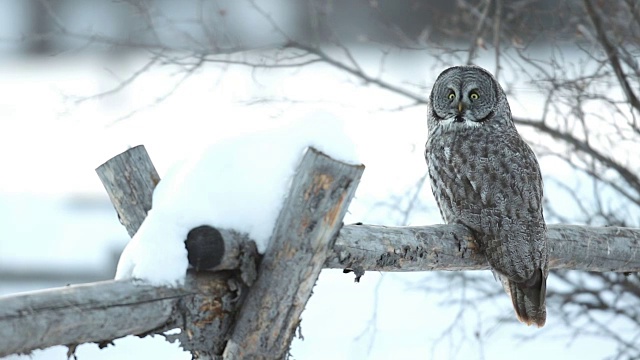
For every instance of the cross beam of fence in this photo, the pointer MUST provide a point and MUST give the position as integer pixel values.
(244, 312)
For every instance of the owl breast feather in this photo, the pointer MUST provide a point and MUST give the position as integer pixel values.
(492, 185)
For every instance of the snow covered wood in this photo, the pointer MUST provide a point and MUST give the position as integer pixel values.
(205, 307)
(303, 237)
(451, 247)
(130, 178)
(226, 186)
(107, 310)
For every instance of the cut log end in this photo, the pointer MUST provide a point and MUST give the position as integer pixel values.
(205, 247)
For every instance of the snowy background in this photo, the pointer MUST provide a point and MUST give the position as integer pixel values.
(55, 215)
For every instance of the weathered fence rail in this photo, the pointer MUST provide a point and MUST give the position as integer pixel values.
(253, 310)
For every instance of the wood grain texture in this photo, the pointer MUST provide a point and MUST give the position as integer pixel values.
(205, 316)
(103, 311)
(107, 310)
(451, 247)
(206, 307)
(311, 216)
(129, 179)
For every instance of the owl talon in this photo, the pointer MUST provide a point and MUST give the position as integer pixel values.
(358, 271)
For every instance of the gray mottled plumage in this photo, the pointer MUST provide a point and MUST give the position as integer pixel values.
(484, 176)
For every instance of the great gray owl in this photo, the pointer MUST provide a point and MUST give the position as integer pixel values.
(484, 176)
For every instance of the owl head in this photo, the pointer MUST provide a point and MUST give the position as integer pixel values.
(465, 97)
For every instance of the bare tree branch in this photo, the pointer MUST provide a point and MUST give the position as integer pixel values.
(612, 55)
(357, 72)
(631, 179)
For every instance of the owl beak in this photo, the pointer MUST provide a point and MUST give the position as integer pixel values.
(459, 117)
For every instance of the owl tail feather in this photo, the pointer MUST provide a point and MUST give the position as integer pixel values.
(529, 298)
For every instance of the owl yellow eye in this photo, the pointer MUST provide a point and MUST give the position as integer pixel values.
(451, 96)
(474, 96)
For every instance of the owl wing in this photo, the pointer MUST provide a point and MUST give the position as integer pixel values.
(492, 184)
(511, 223)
